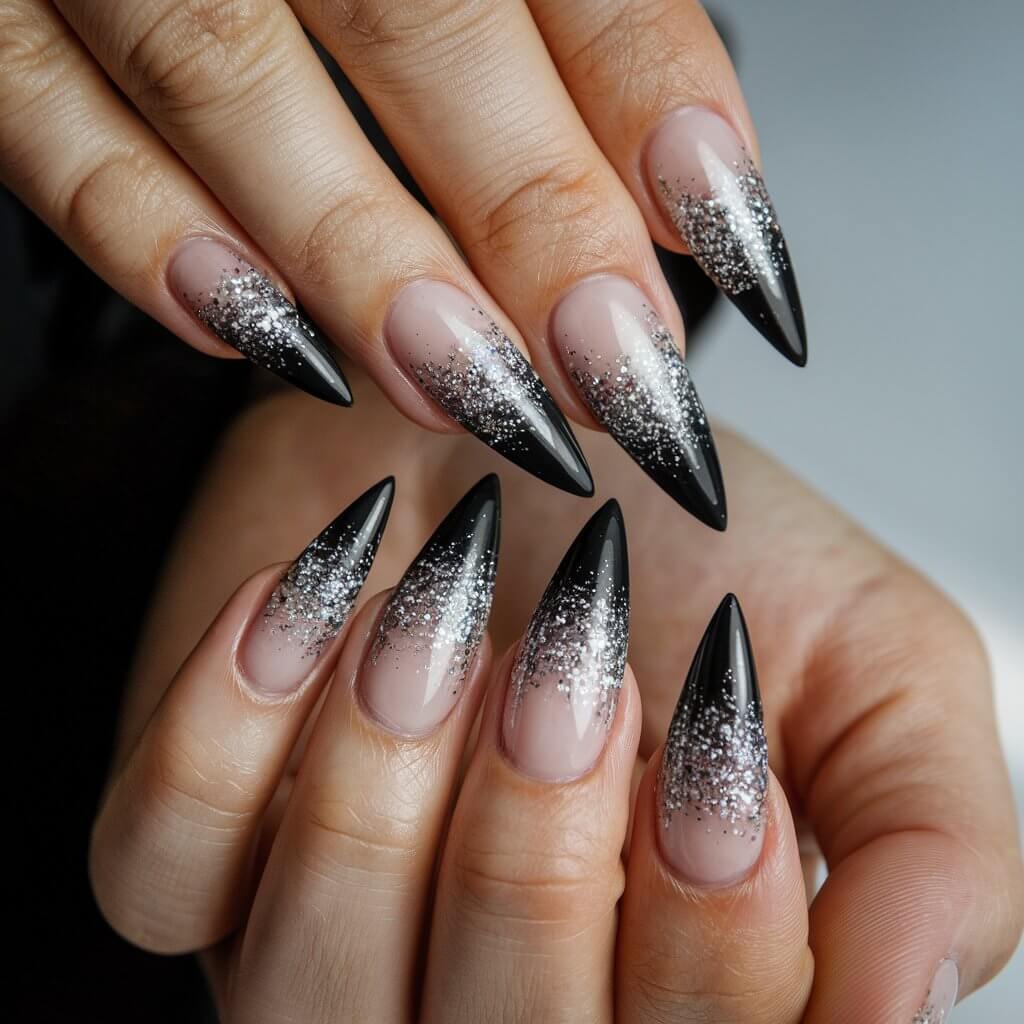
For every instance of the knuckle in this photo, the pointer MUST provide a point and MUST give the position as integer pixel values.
(204, 55)
(33, 55)
(572, 883)
(566, 198)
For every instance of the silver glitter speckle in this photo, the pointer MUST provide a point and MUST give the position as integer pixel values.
(715, 766)
(576, 641)
(646, 400)
(248, 312)
(315, 596)
(485, 384)
(440, 606)
(929, 1014)
(732, 231)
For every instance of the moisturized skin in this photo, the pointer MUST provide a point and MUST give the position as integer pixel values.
(714, 769)
(243, 307)
(313, 600)
(565, 680)
(429, 631)
(715, 196)
(627, 368)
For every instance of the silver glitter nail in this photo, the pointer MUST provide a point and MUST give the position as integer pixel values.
(440, 607)
(730, 229)
(315, 596)
(647, 402)
(577, 638)
(715, 763)
(485, 384)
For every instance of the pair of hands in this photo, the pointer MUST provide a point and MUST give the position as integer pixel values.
(322, 901)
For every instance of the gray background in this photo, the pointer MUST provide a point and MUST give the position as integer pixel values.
(892, 140)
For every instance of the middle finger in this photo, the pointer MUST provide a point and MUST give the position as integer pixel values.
(472, 101)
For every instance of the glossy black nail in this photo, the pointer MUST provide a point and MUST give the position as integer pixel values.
(565, 681)
(714, 772)
(243, 307)
(465, 362)
(715, 196)
(429, 630)
(627, 368)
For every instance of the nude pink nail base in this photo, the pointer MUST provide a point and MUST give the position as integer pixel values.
(243, 307)
(313, 600)
(627, 368)
(942, 993)
(430, 629)
(565, 680)
(715, 196)
(714, 771)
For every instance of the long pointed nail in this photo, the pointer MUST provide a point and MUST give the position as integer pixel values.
(626, 367)
(714, 194)
(315, 596)
(464, 361)
(565, 680)
(942, 993)
(243, 307)
(429, 630)
(714, 769)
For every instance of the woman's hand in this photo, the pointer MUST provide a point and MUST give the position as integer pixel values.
(554, 138)
(877, 715)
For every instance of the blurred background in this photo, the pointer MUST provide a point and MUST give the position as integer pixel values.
(893, 147)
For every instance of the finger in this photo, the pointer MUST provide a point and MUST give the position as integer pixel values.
(470, 98)
(173, 844)
(238, 90)
(679, 134)
(714, 921)
(895, 755)
(112, 190)
(348, 879)
(524, 919)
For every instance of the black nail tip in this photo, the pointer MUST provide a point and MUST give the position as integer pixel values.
(723, 673)
(598, 558)
(700, 491)
(774, 308)
(473, 526)
(366, 517)
(549, 451)
(312, 368)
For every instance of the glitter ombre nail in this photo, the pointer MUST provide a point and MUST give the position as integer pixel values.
(627, 368)
(462, 360)
(312, 602)
(715, 196)
(429, 630)
(243, 307)
(714, 771)
(567, 674)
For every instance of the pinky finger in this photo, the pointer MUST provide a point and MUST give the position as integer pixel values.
(174, 842)
(113, 190)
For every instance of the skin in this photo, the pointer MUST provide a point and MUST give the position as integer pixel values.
(878, 713)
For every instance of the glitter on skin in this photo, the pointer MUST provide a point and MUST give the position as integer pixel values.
(578, 638)
(646, 401)
(249, 313)
(315, 596)
(441, 604)
(731, 229)
(487, 385)
(715, 766)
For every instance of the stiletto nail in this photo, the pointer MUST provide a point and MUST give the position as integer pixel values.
(565, 680)
(715, 196)
(464, 361)
(315, 596)
(243, 307)
(714, 770)
(429, 630)
(942, 993)
(626, 367)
